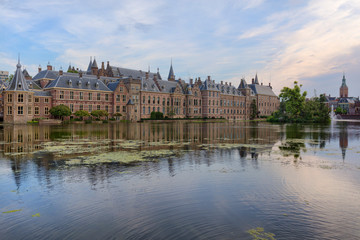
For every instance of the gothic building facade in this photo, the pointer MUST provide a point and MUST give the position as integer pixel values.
(132, 93)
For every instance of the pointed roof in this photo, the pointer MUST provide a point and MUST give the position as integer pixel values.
(343, 81)
(256, 79)
(243, 83)
(171, 72)
(18, 83)
(89, 67)
(94, 64)
(26, 73)
(158, 74)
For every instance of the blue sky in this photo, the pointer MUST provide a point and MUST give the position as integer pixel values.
(312, 42)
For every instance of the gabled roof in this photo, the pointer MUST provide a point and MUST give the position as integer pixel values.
(262, 89)
(33, 85)
(243, 84)
(171, 72)
(126, 72)
(149, 85)
(256, 79)
(18, 83)
(75, 82)
(94, 64)
(167, 86)
(209, 85)
(26, 74)
(49, 74)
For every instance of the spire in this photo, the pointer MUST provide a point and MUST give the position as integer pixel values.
(256, 79)
(18, 83)
(89, 67)
(171, 73)
(158, 74)
(94, 64)
(343, 81)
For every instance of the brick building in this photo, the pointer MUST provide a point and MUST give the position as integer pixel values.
(132, 93)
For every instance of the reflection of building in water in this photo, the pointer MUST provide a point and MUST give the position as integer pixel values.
(343, 140)
(25, 142)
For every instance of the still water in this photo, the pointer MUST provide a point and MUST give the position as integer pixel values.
(180, 180)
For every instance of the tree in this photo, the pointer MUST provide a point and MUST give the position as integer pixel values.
(11, 76)
(156, 115)
(253, 110)
(82, 114)
(99, 113)
(60, 111)
(294, 101)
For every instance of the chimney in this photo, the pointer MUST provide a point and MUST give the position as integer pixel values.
(222, 82)
(80, 74)
(102, 65)
(77, 69)
(61, 71)
(209, 78)
(191, 81)
(230, 83)
(261, 83)
(147, 75)
(253, 81)
(226, 83)
(154, 77)
(39, 68)
(269, 84)
(49, 67)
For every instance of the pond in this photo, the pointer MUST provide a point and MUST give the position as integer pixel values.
(180, 180)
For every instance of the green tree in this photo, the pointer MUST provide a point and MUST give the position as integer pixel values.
(156, 115)
(253, 110)
(11, 76)
(60, 111)
(99, 113)
(82, 114)
(294, 101)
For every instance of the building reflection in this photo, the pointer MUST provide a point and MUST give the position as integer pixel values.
(343, 139)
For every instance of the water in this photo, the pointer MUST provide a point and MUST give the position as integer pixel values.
(180, 181)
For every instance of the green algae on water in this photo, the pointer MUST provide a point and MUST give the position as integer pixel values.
(12, 211)
(36, 215)
(259, 234)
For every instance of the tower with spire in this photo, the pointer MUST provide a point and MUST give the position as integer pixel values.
(171, 76)
(344, 89)
(94, 67)
(18, 99)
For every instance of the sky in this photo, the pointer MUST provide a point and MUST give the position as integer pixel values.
(313, 42)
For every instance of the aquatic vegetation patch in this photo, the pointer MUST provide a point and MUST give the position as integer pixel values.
(259, 234)
(325, 167)
(36, 215)
(12, 211)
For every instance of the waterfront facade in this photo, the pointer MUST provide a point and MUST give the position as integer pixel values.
(131, 94)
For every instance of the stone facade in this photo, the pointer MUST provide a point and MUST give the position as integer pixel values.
(133, 94)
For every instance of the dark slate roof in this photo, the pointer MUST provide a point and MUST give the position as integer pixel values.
(42, 93)
(256, 79)
(46, 74)
(243, 84)
(94, 64)
(209, 85)
(75, 82)
(171, 72)
(229, 90)
(112, 85)
(126, 72)
(149, 85)
(18, 83)
(26, 74)
(33, 85)
(158, 74)
(88, 71)
(262, 89)
(167, 86)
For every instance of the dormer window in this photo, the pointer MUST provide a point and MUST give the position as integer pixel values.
(145, 85)
(97, 85)
(153, 86)
(79, 83)
(19, 85)
(69, 82)
(162, 87)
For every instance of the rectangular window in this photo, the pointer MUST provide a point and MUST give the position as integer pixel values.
(121, 89)
(29, 98)
(36, 99)
(20, 110)
(36, 110)
(46, 110)
(98, 107)
(20, 97)
(71, 107)
(118, 98)
(90, 96)
(9, 112)
(106, 97)
(61, 94)
(98, 96)
(143, 110)
(81, 95)
(124, 98)
(9, 97)
(117, 108)
(71, 95)
(29, 111)
(81, 107)
(90, 108)
(124, 108)
(107, 108)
